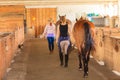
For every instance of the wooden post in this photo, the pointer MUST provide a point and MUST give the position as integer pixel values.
(118, 13)
(34, 25)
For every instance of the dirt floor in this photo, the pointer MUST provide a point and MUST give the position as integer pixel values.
(34, 62)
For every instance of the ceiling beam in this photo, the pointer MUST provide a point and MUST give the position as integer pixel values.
(54, 2)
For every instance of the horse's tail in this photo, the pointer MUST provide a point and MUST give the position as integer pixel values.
(86, 28)
(88, 36)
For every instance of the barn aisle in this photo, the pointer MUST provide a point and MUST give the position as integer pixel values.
(38, 64)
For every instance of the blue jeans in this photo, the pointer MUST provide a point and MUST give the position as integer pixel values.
(50, 43)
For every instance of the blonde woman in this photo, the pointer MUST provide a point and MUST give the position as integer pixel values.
(49, 32)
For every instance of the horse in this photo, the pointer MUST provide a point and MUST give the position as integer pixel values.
(83, 33)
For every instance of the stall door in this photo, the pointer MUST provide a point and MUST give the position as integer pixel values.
(37, 18)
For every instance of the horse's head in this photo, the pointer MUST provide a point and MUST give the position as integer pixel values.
(62, 18)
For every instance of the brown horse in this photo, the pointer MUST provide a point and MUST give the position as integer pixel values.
(83, 33)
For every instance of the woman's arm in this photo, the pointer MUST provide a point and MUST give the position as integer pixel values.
(71, 34)
(54, 30)
(44, 32)
(57, 34)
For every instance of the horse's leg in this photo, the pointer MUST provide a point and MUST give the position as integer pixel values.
(88, 58)
(85, 62)
(80, 62)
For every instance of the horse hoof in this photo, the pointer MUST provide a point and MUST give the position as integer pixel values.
(65, 66)
(80, 69)
(85, 75)
(61, 64)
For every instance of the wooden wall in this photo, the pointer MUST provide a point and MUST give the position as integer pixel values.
(37, 18)
(11, 34)
(108, 47)
(6, 10)
(11, 17)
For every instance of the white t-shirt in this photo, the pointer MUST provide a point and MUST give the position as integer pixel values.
(49, 31)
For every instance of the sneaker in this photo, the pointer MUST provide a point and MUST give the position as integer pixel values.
(50, 52)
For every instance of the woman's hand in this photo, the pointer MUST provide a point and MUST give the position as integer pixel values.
(56, 41)
(41, 36)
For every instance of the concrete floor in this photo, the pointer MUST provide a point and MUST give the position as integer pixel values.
(34, 62)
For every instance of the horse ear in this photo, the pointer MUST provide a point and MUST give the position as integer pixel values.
(76, 19)
(81, 18)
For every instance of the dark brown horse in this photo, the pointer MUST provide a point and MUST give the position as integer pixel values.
(83, 33)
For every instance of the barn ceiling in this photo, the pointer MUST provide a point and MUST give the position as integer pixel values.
(53, 2)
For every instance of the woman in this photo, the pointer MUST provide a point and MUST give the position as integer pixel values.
(63, 40)
(49, 32)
